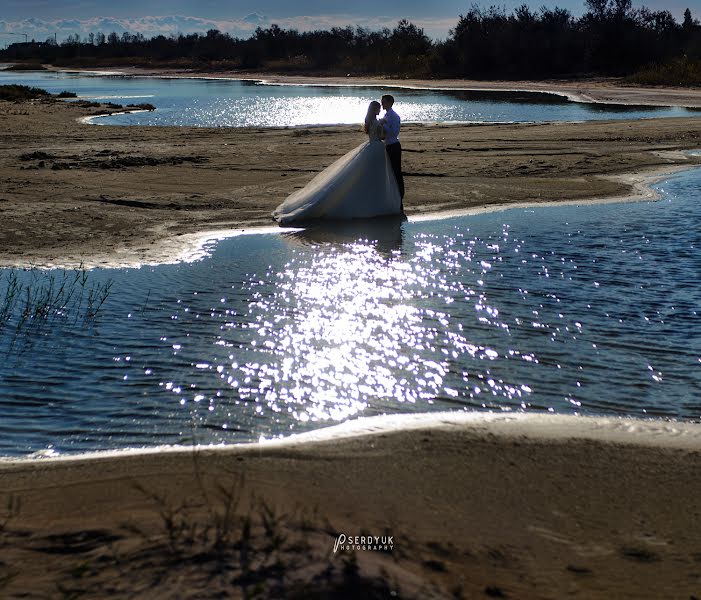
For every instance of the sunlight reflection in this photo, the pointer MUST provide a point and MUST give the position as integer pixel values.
(352, 325)
(285, 111)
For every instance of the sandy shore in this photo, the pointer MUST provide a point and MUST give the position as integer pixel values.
(74, 193)
(478, 506)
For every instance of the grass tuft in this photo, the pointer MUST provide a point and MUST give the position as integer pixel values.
(34, 300)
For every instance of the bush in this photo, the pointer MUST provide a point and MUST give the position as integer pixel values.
(682, 72)
(144, 106)
(17, 93)
(65, 94)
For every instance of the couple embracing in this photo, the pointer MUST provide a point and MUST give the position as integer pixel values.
(366, 182)
(390, 124)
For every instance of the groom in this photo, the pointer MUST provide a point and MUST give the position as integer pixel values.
(391, 123)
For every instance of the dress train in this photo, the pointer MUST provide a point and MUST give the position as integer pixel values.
(359, 185)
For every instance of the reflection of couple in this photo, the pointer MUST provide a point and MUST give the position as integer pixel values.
(366, 182)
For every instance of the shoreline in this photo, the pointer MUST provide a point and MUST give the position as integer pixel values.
(534, 506)
(641, 191)
(89, 120)
(551, 428)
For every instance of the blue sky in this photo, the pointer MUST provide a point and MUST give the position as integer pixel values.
(40, 18)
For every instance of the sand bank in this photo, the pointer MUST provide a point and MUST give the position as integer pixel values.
(104, 195)
(513, 506)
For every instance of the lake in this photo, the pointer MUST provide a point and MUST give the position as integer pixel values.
(227, 103)
(579, 310)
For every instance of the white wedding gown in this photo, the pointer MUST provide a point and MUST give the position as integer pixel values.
(359, 185)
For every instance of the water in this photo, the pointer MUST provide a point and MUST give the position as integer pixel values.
(587, 310)
(215, 103)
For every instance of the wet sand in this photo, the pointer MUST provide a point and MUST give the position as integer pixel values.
(74, 193)
(478, 506)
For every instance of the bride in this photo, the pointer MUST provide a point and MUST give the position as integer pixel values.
(358, 185)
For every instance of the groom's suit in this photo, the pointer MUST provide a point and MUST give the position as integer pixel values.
(391, 124)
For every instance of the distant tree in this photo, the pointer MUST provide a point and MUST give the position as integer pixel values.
(557, 18)
(407, 38)
(524, 15)
(689, 22)
(621, 9)
(597, 8)
(611, 38)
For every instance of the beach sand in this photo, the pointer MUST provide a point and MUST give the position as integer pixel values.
(478, 506)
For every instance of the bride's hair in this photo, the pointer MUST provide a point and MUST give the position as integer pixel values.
(373, 110)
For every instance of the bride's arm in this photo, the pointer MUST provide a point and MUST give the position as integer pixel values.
(381, 128)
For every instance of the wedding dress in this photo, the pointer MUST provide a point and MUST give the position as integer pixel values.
(359, 185)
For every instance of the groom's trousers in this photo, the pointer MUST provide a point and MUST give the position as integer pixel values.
(394, 151)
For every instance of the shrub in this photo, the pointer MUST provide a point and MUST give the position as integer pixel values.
(144, 106)
(17, 93)
(682, 72)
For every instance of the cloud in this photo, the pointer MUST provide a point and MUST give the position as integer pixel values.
(40, 29)
(433, 27)
(255, 19)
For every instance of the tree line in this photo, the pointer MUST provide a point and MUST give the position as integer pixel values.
(611, 39)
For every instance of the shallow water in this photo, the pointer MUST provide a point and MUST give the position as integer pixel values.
(215, 103)
(589, 310)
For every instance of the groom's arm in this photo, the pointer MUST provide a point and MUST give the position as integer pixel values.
(390, 126)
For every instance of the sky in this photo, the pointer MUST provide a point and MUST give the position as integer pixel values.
(42, 18)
